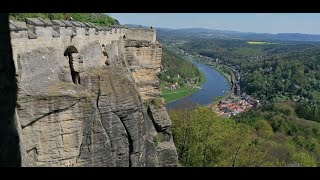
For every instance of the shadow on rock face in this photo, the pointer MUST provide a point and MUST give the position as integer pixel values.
(9, 139)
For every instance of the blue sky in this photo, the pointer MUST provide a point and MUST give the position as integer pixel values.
(308, 23)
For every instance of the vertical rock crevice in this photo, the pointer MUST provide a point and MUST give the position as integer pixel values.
(130, 142)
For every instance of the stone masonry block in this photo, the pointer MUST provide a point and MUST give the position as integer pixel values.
(58, 23)
(67, 23)
(35, 22)
(88, 25)
(82, 24)
(75, 23)
(18, 25)
(47, 22)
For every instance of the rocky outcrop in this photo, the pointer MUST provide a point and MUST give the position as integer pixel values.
(100, 122)
(166, 150)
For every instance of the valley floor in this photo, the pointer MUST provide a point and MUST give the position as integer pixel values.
(176, 94)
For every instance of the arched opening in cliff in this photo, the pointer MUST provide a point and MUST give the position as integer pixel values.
(70, 51)
(124, 36)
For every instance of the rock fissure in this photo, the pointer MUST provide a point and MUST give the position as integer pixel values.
(130, 142)
(34, 148)
(49, 113)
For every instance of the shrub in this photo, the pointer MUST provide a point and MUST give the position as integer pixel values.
(156, 140)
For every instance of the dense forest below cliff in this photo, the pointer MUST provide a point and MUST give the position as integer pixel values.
(270, 136)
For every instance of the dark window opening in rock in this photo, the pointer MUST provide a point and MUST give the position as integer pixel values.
(107, 62)
(104, 51)
(124, 36)
(74, 74)
(106, 54)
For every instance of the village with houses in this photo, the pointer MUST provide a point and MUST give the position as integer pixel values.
(234, 105)
(234, 102)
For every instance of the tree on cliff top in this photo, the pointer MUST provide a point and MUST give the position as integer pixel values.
(95, 18)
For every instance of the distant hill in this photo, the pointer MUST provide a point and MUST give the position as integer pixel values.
(224, 34)
(136, 26)
(210, 33)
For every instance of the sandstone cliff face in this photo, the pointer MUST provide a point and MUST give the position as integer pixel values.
(100, 122)
(144, 60)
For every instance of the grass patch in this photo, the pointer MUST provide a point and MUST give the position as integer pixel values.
(178, 94)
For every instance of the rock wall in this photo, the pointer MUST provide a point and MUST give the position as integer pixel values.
(100, 122)
(144, 60)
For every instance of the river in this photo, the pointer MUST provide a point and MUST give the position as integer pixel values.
(215, 85)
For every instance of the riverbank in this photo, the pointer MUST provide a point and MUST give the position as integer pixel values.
(170, 96)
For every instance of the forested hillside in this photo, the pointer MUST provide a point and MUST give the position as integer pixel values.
(178, 77)
(173, 64)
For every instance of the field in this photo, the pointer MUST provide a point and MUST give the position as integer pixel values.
(258, 42)
(177, 94)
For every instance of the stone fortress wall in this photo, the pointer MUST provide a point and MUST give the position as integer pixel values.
(102, 121)
(36, 35)
(36, 32)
